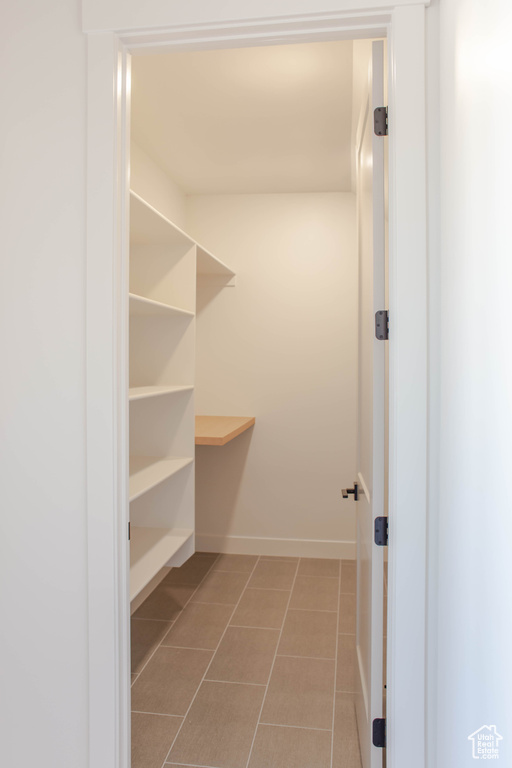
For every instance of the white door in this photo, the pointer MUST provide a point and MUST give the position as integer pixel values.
(371, 414)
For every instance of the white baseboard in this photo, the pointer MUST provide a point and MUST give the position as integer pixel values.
(251, 545)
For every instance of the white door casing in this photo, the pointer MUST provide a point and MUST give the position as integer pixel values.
(107, 257)
(371, 411)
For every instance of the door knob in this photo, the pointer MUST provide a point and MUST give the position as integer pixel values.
(345, 492)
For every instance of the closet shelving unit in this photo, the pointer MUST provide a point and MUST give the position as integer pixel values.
(164, 265)
(219, 430)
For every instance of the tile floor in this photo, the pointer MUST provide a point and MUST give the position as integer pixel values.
(246, 662)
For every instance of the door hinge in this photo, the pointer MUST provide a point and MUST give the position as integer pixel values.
(355, 490)
(381, 531)
(380, 121)
(382, 325)
(379, 732)
(129, 531)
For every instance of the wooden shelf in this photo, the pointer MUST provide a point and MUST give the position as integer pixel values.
(219, 430)
(150, 550)
(142, 393)
(148, 471)
(140, 305)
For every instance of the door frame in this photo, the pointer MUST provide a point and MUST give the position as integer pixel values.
(106, 344)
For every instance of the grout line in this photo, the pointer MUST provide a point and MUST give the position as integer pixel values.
(191, 765)
(181, 612)
(299, 727)
(270, 589)
(186, 648)
(311, 610)
(348, 693)
(158, 714)
(209, 665)
(232, 682)
(273, 663)
(246, 626)
(306, 658)
(335, 670)
(164, 621)
(203, 602)
(221, 570)
(136, 676)
(309, 576)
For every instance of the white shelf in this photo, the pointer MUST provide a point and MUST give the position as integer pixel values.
(150, 550)
(208, 264)
(142, 393)
(149, 227)
(140, 305)
(148, 471)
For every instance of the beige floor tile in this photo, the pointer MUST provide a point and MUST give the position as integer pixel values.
(191, 572)
(347, 614)
(346, 671)
(309, 633)
(279, 747)
(220, 587)
(261, 608)
(310, 566)
(168, 683)
(211, 555)
(165, 602)
(284, 558)
(152, 736)
(199, 626)
(241, 563)
(244, 656)
(346, 745)
(348, 576)
(300, 693)
(220, 726)
(273, 574)
(146, 636)
(315, 594)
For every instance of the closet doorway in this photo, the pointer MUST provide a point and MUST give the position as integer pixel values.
(266, 157)
(95, 713)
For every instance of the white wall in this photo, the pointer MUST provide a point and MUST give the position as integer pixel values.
(475, 493)
(361, 55)
(149, 181)
(281, 345)
(43, 599)
(42, 558)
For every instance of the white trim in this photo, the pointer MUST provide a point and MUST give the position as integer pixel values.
(254, 545)
(106, 347)
(107, 404)
(406, 688)
(161, 17)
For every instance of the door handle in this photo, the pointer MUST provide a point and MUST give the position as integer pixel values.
(355, 491)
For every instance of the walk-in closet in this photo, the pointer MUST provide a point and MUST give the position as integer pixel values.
(243, 387)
